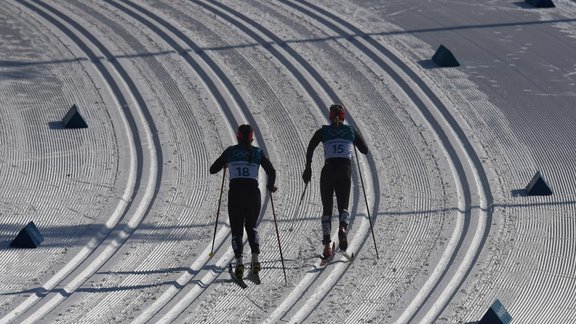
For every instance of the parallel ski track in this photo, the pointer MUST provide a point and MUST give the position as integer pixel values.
(179, 296)
(326, 286)
(216, 88)
(299, 292)
(184, 299)
(475, 197)
(27, 144)
(310, 83)
(309, 79)
(227, 96)
(216, 80)
(447, 140)
(154, 260)
(52, 166)
(134, 204)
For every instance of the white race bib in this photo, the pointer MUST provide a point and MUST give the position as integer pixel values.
(243, 169)
(337, 148)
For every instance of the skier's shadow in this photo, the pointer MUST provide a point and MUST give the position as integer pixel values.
(318, 268)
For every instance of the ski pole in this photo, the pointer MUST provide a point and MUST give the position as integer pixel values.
(302, 197)
(278, 237)
(218, 211)
(366, 200)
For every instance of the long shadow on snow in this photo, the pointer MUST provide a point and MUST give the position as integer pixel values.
(349, 36)
(41, 292)
(352, 36)
(79, 234)
(68, 235)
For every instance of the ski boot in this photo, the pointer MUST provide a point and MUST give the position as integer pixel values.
(256, 272)
(256, 268)
(327, 251)
(239, 273)
(342, 240)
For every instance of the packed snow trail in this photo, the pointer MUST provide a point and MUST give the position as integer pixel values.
(166, 85)
(134, 204)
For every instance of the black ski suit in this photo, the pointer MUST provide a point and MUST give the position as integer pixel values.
(336, 174)
(244, 199)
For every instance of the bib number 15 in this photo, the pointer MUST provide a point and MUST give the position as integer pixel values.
(338, 148)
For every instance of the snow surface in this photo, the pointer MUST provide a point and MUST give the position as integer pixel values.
(128, 209)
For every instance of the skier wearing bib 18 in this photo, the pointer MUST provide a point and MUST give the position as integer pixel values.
(338, 141)
(244, 201)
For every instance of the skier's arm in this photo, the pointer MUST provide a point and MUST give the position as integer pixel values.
(270, 171)
(360, 144)
(218, 164)
(316, 139)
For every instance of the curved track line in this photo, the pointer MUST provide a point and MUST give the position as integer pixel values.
(304, 312)
(526, 306)
(457, 148)
(105, 244)
(188, 298)
(285, 55)
(222, 88)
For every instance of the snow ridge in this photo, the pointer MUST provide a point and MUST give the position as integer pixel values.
(105, 244)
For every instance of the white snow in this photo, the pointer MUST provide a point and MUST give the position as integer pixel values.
(128, 209)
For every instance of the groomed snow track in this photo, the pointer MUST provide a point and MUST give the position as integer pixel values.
(237, 90)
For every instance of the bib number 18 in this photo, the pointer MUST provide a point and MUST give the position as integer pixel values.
(244, 172)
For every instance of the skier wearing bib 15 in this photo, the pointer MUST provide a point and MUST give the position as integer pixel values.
(338, 141)
(244, 201)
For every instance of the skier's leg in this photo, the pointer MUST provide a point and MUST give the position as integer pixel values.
(251, 222)
(327, 195)
(342, 189)
(253, 206)
(236, 217)
(343, 197)
(343, 230)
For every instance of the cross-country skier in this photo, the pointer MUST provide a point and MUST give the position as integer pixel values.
(338, 140)
(244, 202)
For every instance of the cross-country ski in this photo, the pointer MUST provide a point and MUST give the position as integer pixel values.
(349, 257)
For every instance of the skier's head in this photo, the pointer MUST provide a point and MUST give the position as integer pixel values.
(245, 134)
(337, 113)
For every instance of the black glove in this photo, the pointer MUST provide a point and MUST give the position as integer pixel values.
(307, 175)
(271, 187)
